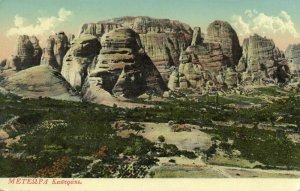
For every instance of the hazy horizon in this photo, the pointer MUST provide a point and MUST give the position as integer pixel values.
(275, 19)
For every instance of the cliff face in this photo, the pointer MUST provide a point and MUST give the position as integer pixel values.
(292, 54)
(27, 54)
(130, 56)
(200, 67)
(210, 64)
(78, 59)
(262, 61)
(162, 39)
(56, 48)
(122, 68)
(221, 32)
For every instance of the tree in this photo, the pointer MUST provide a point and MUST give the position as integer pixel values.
(134, 126)
(161, 138)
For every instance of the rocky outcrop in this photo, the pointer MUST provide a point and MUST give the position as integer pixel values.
(56, 48)
(122, 68)
(292, 54)
(98, 29)
(162, 39)
(40, 81)
(262, 62)
(197, 37)
(27, 54)
(222, 32)
(78, 58)
(201, 68)
(37, 50)
(209, 65)
(3, 63)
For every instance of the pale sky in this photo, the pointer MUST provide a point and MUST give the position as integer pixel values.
(276, 19)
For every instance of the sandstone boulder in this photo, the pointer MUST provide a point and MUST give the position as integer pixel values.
(231, 78)
(78, 58)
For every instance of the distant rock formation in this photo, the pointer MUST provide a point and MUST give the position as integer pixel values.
(40, 81)
(222, 32)
(56, 48)
(200, 67)
(122, 68)
(78, 58)
(292, 54)
(162, 39)
(210, 63)
(27, 54)
(203, 66)
(262, 62)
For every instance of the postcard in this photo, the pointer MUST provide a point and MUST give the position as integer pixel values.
(149, 95)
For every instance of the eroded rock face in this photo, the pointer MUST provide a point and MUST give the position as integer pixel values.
(209, 65)
(201, 67)
(197, 37)
(27, 54)
(78, 58)
(40, 81)
(222, 32)
(56, 48)
(3, 63)
(122, 68)
(262, 62)
(162, 39)
(292, 54)
(98, 29)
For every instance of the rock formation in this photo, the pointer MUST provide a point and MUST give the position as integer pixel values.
(37, 50)
(162, 39)
(78, 59)
(222, 32)
(3, 63)
(40, 81)
(122, 68)
(197, 37)
(56, 48)
(27, 54)
(201, 67)
(262, 62)
(209, 64)
(292, 54)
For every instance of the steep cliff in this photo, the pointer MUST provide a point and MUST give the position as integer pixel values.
(122, 68)
(262, 62)
(56, 48)
(27, 54)
(78, 59)
(292, 54)
(221, 32)
(162, 39)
